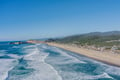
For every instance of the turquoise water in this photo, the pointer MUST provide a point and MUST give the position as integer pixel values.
(43, 62)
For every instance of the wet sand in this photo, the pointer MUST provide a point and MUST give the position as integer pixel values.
(105, 57)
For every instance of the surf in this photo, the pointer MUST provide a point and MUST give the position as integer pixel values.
(43, 62)
(35, 59)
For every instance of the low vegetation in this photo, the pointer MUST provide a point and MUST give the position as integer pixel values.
(97, 39)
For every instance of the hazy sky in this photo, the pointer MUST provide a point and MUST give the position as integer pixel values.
(27, 19)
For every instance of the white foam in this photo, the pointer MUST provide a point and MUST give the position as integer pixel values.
(5, 66)
(82, 76)
(73, 75)
(72, 59)
(104, 75)
(44, 47)
(29, 46)
(43, 71)
(113, 70)
(13, 56)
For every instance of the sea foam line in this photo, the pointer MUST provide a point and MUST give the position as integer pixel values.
(8, 65)
(43, 71)
(64, 53)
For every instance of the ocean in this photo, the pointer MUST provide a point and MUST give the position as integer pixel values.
(43, 62)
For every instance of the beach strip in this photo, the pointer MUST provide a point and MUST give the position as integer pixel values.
(105, 57)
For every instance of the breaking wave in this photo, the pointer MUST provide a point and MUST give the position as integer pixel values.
(43, 62)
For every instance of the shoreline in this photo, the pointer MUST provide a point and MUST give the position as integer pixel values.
(105, 57)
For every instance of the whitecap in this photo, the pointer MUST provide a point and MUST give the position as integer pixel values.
(14, 56)
(113, 70)
(43, 71)
(5, 66)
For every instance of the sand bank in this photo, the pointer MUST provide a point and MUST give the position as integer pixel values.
(105, 57)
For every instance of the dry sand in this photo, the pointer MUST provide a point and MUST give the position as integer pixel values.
(105, 57)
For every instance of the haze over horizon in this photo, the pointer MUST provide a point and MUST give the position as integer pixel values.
(29, 19)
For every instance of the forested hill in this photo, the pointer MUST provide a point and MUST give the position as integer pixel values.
(94, 38)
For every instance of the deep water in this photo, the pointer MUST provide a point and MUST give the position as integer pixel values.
(43, 62)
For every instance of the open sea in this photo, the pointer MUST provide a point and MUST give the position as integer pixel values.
(43, 62)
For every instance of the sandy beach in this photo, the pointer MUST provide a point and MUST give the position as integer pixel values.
(105, 57)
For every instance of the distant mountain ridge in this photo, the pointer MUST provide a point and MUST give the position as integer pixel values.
(99, 33)
(104, 33)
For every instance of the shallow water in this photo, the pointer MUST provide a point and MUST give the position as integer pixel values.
(43, 62)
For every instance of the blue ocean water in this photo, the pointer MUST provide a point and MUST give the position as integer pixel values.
(43, 62)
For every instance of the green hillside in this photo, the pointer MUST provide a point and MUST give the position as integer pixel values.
(94, 38)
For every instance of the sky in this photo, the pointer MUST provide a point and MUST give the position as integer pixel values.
(34, 19)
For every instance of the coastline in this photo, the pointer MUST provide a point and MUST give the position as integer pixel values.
(105, 57)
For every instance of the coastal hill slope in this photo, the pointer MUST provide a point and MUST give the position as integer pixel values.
(94, 38)
(101, 46)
